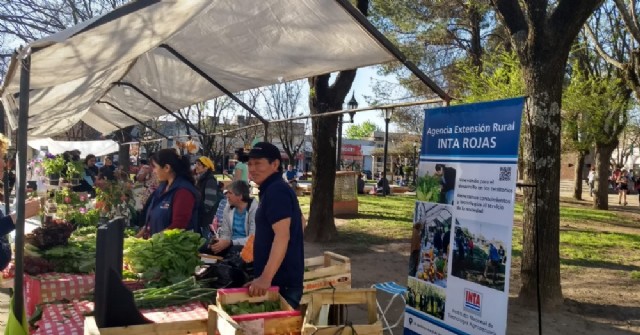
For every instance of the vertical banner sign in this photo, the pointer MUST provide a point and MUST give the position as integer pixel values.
(461, 243)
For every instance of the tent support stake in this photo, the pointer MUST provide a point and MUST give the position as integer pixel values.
(213, 82)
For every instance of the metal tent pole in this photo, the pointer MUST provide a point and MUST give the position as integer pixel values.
(215, 83)
(5, 179)
(21, 185)
(148, 97)
(133, 118)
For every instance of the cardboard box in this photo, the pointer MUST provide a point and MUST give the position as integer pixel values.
(342, 297)
(285, 321)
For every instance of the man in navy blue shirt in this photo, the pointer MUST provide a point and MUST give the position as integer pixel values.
(278, 249)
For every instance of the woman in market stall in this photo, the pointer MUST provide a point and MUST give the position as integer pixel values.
(88, 180)
(210, 195)
(7, 222)
(174, 205)
(238, 223)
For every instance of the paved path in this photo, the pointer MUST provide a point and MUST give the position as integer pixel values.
(566, 190)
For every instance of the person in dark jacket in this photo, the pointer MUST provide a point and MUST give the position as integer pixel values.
(174, 205)
(7, 222)
(210, 195)
(108, 170)
(89, 177)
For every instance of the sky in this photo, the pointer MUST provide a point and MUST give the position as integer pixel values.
(363, 84)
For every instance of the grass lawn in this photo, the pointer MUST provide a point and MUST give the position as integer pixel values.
(379, 220)
(584, 237)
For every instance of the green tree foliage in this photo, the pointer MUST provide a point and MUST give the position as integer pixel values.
(594, 109)
(500, 78)
(434, 34)
(360, 131)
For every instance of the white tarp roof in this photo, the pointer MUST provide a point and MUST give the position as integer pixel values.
(242, 44)
(98, 148)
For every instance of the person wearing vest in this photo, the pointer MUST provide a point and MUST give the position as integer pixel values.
(238, 221)
(174, 205)
(210, 195)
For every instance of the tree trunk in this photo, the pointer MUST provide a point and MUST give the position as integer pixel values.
(542, 36)
(578, 181)
(326, 98)
(541, 166)
(602, 155)
(123, 157)
(321, 225)
(124, 136)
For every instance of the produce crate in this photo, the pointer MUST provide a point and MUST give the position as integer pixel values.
(179, 320)
(342, 297)
(285, 321)
(51, 287)
(325, 271)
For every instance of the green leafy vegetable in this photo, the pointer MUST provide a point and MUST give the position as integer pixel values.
(166, 258)
(78, 256)
(246, 307)
(188, 290)
(428, 188)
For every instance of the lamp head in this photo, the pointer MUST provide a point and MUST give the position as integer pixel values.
(352, 104)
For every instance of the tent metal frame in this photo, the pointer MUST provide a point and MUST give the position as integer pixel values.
(163, 107)
(219, 86)
(132, 117)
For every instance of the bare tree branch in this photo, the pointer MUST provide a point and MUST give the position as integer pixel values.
(600, 50)
(628, 19)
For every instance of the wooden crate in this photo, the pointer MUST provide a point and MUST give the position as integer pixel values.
(191, 327)
(286, 321)
(326, 271)
(342, 297)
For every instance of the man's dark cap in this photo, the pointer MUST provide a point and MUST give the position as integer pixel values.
(265, 150)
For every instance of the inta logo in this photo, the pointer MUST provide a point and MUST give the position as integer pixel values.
(472, 301)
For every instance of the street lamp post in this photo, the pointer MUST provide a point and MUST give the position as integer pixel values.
(352, 104)
(387, 117)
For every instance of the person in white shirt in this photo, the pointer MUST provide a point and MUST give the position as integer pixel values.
(591, 179)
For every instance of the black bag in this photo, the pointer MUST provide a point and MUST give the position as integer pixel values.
(222, 276)
(5, 252)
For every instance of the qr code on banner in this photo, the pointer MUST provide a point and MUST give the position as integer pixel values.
(505, 173)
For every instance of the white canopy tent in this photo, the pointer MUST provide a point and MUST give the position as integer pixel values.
(97, 148)
(152, 57)
(135, 55)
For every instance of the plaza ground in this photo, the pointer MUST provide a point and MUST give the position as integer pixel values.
(602, 295)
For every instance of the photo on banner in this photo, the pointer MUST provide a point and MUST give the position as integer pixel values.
(460, 257)
(432, 227)
(480, 253)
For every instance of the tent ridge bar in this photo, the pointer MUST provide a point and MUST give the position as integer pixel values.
(376, 34)
(133, 118)
(213, 82)
(148, 97)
